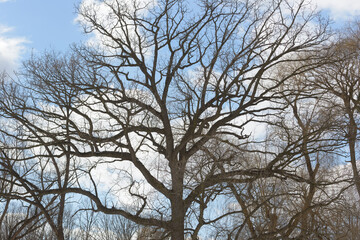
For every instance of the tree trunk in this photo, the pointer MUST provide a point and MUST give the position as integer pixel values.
(177, 204)
(352, 141)
(177, 231)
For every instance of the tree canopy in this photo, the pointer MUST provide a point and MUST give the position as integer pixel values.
(182, 119)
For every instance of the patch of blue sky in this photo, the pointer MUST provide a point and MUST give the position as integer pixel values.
(43, 25)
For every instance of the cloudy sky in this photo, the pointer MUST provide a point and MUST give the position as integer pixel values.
(33, 26)
(36, 25)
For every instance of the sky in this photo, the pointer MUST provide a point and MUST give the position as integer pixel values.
(28, 26)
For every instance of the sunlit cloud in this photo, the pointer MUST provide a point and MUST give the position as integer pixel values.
(344, 9)
(11, 49)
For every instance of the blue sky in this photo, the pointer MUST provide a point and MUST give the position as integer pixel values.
(37, 25)
(43, 23)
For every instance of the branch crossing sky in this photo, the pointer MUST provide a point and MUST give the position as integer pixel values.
(31, 26)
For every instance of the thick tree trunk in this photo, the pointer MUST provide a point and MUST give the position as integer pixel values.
(177, 231)
(177, 204)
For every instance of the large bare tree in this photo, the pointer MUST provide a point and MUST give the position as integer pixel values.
(146, 99)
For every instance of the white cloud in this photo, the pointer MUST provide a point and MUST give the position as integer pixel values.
(1, 1)
(5, 29)
(11, 49)
(340, 9)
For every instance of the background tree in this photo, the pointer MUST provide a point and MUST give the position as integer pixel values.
(34, 165)
(300, 142)
(340, 80)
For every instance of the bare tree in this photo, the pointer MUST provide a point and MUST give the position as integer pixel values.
(301, 140)
(340, 80)
(147, 102)
(34, 165)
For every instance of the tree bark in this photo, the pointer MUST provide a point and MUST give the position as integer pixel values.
(177, 203)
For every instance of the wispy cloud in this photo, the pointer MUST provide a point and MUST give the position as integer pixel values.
(11, 49)
(5, 29)
(343, 9)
